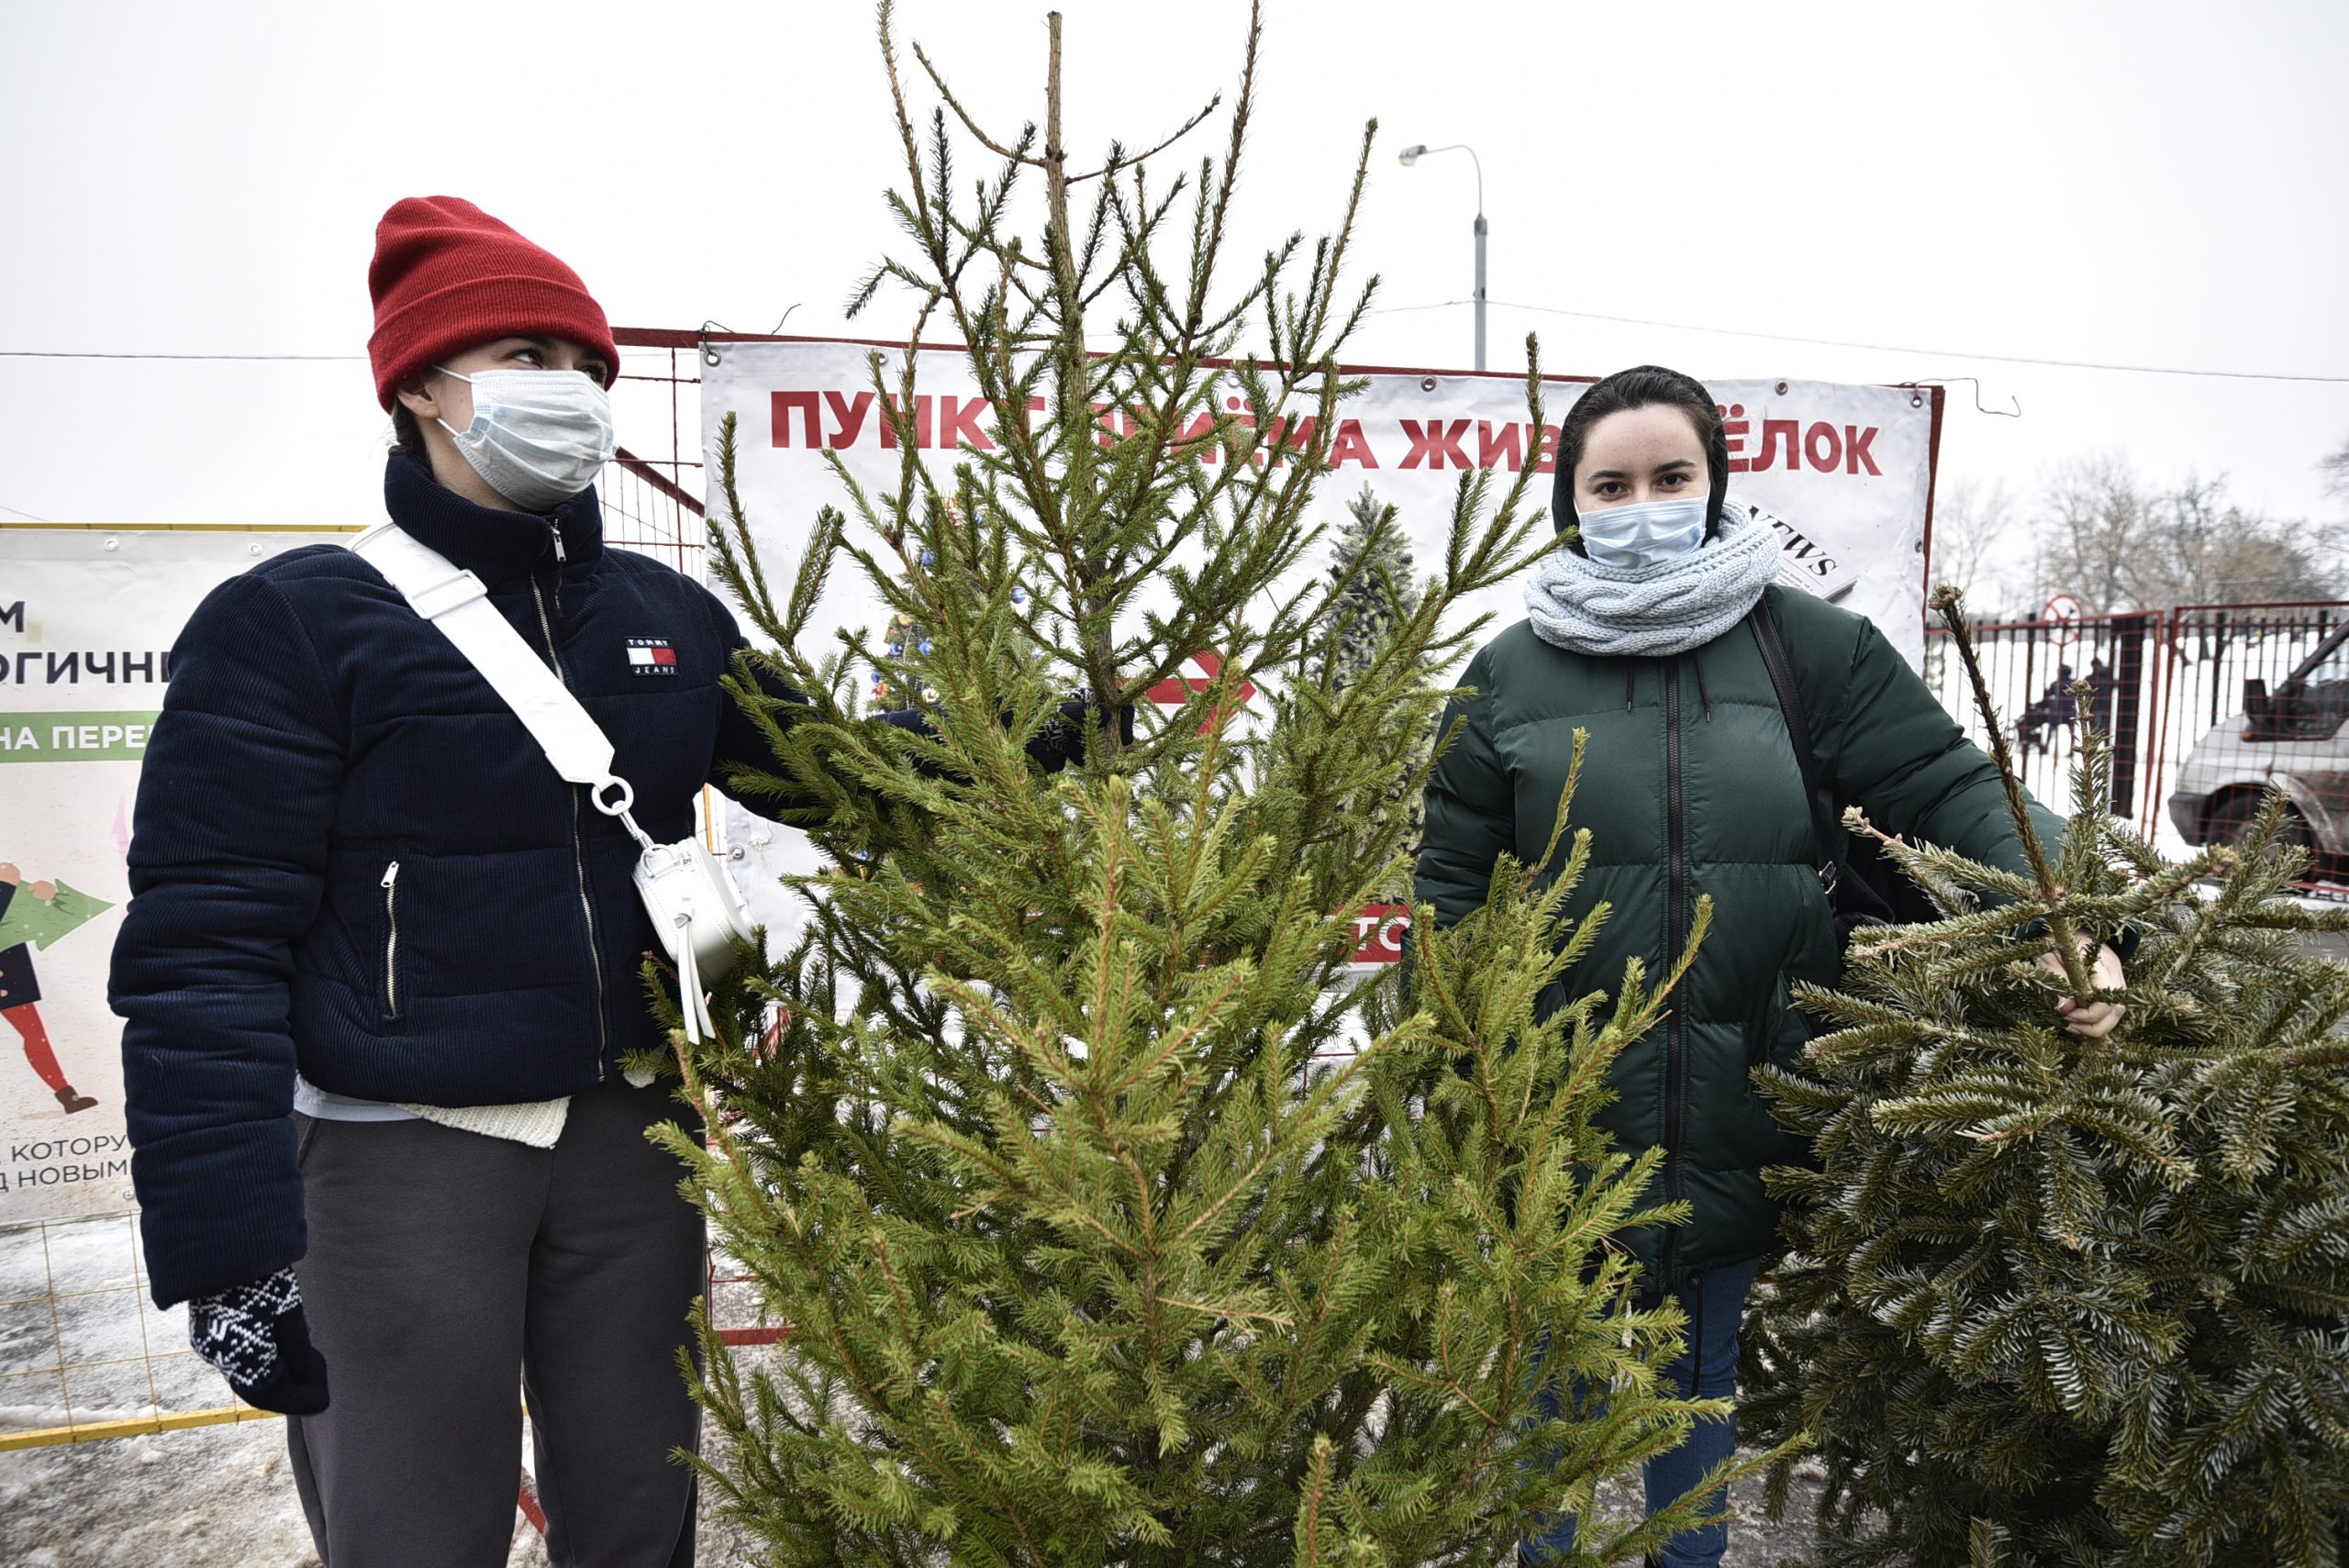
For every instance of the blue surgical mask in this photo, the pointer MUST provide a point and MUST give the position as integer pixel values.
(1642, 534)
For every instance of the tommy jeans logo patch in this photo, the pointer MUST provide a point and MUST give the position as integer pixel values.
(652, 656)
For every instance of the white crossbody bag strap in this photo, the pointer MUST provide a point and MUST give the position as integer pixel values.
(685, 889)
(454, 600)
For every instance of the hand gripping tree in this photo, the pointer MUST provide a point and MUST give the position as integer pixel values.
(1097, 1243)
(2060, 1303)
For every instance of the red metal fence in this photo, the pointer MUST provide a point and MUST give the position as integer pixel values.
(2207, 706)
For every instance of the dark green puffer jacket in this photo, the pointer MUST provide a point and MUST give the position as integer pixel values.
(1690, 787)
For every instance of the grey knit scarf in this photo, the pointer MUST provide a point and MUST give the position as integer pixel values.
(1651, 611)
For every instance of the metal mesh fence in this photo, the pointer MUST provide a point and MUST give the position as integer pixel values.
(2034, 670)
(86, 1355)
(2207, 707)
(83, 1352)
(2255, 697)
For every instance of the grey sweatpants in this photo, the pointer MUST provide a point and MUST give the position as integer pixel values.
(444, 1268)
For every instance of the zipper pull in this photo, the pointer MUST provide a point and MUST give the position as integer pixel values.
(561, 555)
(391, 873)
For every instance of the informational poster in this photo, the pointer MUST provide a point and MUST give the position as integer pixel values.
(88, 621)
(1842, 473)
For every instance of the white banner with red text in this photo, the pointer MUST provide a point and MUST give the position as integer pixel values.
(1845, 472)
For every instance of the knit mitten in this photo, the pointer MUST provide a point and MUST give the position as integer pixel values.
(257, 1337)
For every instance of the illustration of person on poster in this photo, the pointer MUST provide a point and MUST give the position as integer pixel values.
(33, 915)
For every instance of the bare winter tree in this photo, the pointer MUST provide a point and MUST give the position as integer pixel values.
(2335, 468)
(2094, 516)
(1974, 542)
(2122, 543)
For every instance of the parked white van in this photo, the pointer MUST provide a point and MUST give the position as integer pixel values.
(2289, 738)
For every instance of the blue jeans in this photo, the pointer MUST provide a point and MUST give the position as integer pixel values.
(1707, 1369)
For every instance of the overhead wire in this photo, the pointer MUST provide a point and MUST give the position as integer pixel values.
(2116, 365)
(1875, 348)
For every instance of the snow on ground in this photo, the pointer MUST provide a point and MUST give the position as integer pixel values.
(223, 1496)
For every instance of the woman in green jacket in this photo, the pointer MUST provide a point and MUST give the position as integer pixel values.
(1639, 632)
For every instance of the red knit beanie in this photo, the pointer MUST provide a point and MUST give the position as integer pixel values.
(447, 277)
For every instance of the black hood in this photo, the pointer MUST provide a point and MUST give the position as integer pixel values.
(1562, 485)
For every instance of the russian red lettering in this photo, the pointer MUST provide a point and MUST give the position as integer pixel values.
(1378, 932)
(958, 421)
(1352, 446)
(1500, 446)
(782, 403)
(1834, 454)
(1199, 435)
(1285, 435)
(1855, 450)
(848, 417)
(1246, 418)
(893, 415)
(1545, 455)
(1779, 440)
(1733, 432)
(1437, 440)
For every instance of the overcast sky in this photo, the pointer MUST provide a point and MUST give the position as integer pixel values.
(2151, 184)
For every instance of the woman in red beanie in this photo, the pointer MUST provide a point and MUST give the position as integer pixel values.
(362, 896)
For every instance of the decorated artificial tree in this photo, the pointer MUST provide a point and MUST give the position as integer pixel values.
(1110, 1229)
(2055, 1302)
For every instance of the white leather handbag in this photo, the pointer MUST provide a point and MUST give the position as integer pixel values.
(696, 909)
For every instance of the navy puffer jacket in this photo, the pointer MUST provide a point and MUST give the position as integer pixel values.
(350, 858)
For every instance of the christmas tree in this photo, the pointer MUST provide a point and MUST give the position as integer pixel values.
(1110, 1228)
(2054, 1302)
(1370, 569)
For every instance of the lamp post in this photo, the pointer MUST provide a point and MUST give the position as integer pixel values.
(1411, 155)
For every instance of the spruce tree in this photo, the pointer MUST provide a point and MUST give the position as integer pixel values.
(2054, 1302)
(1110, 1228)
(1370, 571)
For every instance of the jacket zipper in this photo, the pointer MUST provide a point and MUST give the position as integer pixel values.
(390, 939)
(1675, 1065)
(578, 850)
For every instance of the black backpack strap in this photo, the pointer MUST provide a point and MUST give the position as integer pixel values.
(1782, 677)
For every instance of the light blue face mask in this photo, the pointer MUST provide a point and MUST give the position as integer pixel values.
(1642, 534)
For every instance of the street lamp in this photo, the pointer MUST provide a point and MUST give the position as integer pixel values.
(1411, 155)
